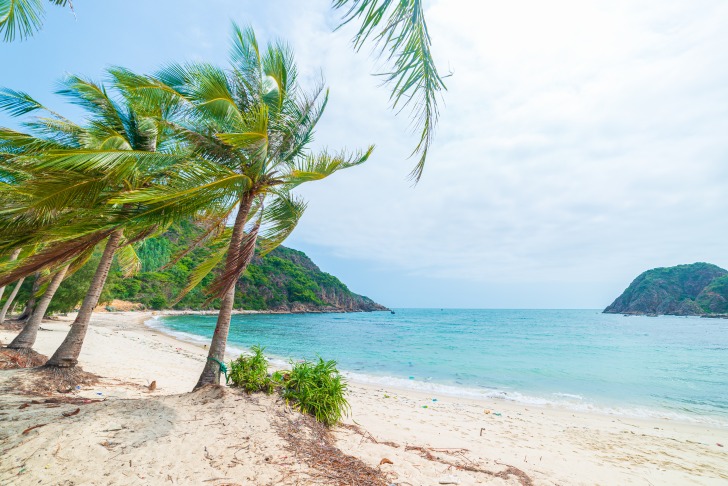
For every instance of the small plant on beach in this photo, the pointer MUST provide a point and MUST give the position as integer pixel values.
(251, 372)
(317, 389)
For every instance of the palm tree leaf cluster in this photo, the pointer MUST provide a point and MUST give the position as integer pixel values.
(191, 142)
(397, 28)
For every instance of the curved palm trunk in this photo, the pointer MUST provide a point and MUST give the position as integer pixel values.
(66, 356)
(26, 338)
(10, 300)
(30, 305)
(211, 371)
(13, 257)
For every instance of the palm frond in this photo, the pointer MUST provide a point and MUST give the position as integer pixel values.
(18, 103)
(128, 260)
(279, 220)
(320, 166)
(50, 255)
(399, 30)
(201, 271)
(20, 18)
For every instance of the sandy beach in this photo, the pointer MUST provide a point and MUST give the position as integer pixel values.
(131, 435)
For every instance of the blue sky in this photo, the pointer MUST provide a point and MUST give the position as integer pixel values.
(580, 143)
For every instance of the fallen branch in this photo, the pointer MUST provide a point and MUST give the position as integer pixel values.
(33, 427)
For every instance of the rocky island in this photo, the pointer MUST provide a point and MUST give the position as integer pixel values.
(698, 289)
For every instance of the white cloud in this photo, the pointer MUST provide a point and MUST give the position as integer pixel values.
(579, 141)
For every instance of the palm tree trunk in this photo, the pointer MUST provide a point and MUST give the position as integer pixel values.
(30, 305)
(13, 257)
(10, 300)
(211, 371)
(26, 338)
(66, 356)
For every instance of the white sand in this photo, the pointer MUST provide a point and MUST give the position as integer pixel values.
(171, 437)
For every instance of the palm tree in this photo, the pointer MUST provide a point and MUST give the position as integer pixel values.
(248, 129)
(26, 338)
(121, 149)
(397, 28)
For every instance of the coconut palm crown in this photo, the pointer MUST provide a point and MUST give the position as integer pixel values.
(248, 129)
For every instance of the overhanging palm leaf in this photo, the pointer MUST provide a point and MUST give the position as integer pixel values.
(398, 28)
(23, 17)
(320, 166)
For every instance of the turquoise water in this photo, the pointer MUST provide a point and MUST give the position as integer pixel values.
(657, 366)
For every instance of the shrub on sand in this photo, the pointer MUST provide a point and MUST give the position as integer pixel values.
(251, 372)
(317, 389)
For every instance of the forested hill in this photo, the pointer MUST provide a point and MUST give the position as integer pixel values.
(285, 280)
(683, 290)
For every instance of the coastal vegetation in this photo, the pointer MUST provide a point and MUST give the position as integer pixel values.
(285, 280)
(314, 388)
(251, 372)
(194, 141)
(698, 289)
(176, 189)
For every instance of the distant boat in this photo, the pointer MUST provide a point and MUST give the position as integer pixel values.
(391, 311)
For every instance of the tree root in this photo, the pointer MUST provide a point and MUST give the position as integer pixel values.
(47, 380)
(11, 359)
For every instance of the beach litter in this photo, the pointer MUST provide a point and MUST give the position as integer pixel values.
(486, 412)
(497, 414)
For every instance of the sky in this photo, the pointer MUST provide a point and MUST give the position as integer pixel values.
(580, 142)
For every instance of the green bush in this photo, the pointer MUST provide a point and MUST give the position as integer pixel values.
(314, 388)
(251, 372)
(317, 389)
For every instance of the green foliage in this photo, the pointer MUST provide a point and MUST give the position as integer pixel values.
(714, 298)
(279, 280)
(313, 388)
(693, 289)
(317, 389)
(251, 372)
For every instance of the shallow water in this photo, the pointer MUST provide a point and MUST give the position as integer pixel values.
(654, 366)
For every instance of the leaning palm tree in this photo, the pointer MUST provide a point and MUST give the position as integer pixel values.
(248, 128)
(26, 338)
(397, 28)
(67, 194)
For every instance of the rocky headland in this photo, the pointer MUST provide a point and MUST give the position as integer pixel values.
(698, 289)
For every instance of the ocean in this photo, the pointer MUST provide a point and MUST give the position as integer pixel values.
(674, 367)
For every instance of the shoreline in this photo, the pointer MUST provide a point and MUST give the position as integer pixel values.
(490, 397)
(552, 445)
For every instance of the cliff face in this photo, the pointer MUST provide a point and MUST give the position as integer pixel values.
(683, 290)
(287, 280)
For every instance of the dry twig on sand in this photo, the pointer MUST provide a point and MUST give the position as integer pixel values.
(313, 444)
(505, 474)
